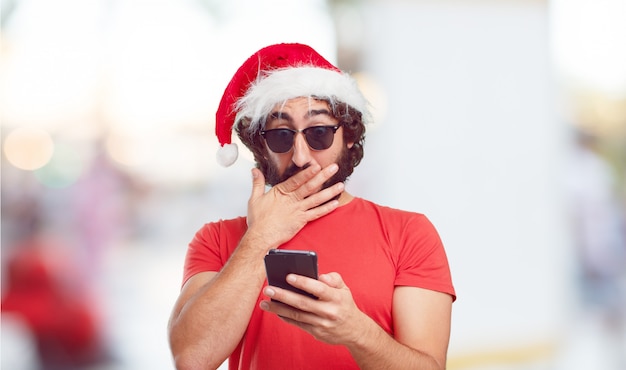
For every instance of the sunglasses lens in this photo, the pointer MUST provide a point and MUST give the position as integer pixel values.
(319, 137)
(279, 140)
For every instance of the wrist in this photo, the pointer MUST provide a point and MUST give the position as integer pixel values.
(256, 240)
(368, 338)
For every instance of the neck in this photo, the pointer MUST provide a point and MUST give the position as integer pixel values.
(345, 198)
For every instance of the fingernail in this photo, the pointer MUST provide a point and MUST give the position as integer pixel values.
(291, 279)
(254, 174)
(264, 305)
(269, 292)
(333, 168)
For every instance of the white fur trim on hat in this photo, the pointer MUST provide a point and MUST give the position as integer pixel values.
(288, 83)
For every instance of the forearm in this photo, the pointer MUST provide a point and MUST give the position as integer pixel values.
(209, 325)
(376, 349)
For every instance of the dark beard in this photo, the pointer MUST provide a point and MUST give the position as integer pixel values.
(272, 177)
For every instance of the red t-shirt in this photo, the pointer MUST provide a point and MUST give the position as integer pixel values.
(374, 248)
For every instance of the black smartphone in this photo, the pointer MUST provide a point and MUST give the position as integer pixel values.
(281, 262)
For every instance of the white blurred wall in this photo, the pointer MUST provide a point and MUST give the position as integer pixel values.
(472, 140)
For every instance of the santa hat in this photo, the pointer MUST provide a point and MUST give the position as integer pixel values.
(273, 75)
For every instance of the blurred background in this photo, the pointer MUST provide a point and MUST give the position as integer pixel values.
(504, 121)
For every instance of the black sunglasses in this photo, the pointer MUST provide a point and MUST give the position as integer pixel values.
(280, 140)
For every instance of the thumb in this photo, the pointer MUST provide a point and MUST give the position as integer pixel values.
(258, 183)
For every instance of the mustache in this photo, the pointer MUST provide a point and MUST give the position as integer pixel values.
(293, 169)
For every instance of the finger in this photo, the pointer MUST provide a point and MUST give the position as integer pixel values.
(291, 299)
(314, 184)
(309, 285)
(288, 313)
(258, 184)
(306, 182)
(323, 196)
(333, 280)
(322, 210)
(296, 181)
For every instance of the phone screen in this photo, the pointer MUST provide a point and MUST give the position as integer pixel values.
(281, 262)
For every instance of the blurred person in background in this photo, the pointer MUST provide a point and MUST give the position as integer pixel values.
(53, 250)
(44, 291)
(385, 293)
(103, 204)
(600, 237)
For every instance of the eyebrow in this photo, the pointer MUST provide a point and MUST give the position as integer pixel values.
(317, 112)
(312, 113)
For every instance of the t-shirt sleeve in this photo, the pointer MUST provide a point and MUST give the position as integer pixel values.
(422, 260)
(212, 246)
(203, 252)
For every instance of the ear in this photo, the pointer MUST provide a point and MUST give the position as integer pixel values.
(350, 145)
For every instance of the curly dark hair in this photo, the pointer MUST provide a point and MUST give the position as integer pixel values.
(349, 118)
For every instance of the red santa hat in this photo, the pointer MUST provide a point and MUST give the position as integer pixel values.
(273, 75)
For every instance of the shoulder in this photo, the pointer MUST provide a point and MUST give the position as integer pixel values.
(400, 226)
(232, 224)
(222, 229)
(387, 212)
(212, 245)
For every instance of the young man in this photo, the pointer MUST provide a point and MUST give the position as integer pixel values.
(384, 290)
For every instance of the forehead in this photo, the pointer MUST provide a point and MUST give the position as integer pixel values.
(301, 104)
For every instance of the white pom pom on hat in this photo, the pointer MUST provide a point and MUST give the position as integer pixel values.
(272, 75)
(227, 154)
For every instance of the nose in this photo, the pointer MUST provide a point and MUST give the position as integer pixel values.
(301, 152)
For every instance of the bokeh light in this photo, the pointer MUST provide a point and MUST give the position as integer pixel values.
(64, 168)
(375, 95)
(588, 44)
(127, 150)
(28, 148)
